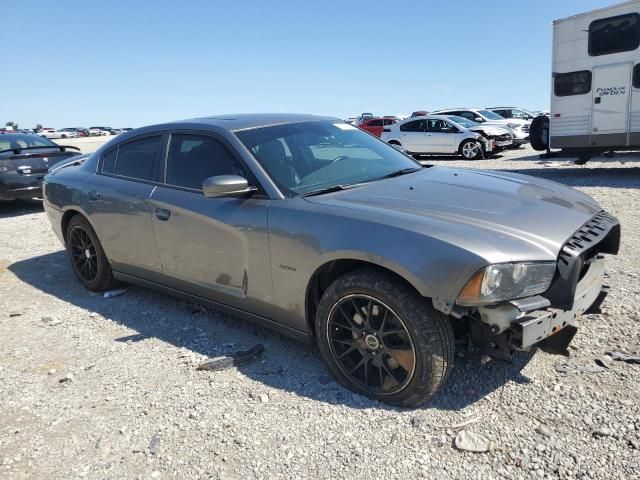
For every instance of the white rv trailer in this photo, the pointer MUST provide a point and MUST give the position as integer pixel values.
(595, 91)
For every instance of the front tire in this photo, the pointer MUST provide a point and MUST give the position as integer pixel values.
(380, 338)
(88, 260)
(470, 149)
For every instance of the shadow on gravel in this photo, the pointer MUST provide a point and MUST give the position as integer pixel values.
(587, 177)
(20, 207)
(287, 364)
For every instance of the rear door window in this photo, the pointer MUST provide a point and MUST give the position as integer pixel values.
(415, 126)
(375, 123)
(614, 34)
(194, 158)
(572, 83)
(139, 159)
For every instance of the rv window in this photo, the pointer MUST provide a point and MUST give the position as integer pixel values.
(572, 83)
(636, 76)
(614, 34)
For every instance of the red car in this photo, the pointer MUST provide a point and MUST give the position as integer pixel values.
(375, 125)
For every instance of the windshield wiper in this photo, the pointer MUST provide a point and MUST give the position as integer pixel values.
(398, 173)
(333, 188)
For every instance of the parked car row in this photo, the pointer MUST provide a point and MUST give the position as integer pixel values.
(470, 132)
(75, 132)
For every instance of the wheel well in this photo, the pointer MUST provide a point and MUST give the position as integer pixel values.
(394, 142)
(66, 218)
(327, 274)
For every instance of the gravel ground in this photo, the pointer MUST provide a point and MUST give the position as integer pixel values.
(107, 388)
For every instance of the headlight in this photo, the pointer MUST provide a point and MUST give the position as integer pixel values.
(507, 281)
(513, 125)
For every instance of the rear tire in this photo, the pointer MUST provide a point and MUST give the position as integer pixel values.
(88, 260)
(381, 339)
(539, 133)
(470, 149)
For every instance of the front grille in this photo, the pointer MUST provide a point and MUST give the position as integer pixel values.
(525, 128)
(588, 236)
(601, 234)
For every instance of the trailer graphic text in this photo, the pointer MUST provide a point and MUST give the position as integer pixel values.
(604, 91)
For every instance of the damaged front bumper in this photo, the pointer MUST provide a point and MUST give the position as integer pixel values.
(548, 321)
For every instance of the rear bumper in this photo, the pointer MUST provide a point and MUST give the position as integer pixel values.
(14, 186)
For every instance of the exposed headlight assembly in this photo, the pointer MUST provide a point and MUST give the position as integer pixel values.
(507, 281)
(513, 125)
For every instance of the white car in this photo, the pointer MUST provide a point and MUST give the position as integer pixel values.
(436, 135)
(500, 137)
(519, 128)
(49, 133)
(68, 133)
(98, 132)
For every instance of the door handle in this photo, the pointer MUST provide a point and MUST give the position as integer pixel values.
(93, 195)
(162, 214)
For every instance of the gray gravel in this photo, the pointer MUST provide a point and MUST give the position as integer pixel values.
(108, 388)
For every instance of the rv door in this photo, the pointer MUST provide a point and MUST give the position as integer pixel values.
(611, 92)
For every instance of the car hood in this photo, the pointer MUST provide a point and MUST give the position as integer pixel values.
(500, 216)
(491, 130)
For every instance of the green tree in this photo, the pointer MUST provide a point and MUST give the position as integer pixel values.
(37, 127)
(13, 125)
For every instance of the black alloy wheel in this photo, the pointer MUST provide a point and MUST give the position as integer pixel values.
(83, 254)
(371, 345)
(88, 259)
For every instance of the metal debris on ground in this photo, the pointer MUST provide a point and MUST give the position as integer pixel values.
(571, 366)
(115, 293)
(472, 442)
(624, 357)
(233, 360)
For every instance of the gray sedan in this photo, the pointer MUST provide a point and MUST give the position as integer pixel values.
(314, 228)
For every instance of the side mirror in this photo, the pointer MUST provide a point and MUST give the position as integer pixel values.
(478, 120)
(226, 185)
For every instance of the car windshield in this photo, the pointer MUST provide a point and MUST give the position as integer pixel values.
(522, 114)
(465, 122)
(17, 140)
(302, 158)
(490, 115)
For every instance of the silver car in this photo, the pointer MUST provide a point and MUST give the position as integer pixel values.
(323, 232)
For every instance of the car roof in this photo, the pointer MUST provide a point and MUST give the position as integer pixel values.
(245, 121)
(458, 108)
(430, 116)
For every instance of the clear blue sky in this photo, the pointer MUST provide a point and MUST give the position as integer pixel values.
(95, 62)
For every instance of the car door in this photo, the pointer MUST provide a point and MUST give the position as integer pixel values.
(375, 127)
(216, 248)
(441, 136)
(412, 136)
(117, 202)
